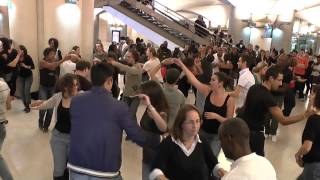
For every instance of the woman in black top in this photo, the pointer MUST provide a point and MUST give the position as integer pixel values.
(218, 107)
(184, 154)
(151, 113)
(25, 76)
(60, 140)
(10, 57)
(308, 155)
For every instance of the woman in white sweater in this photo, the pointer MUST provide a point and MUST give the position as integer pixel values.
(60, 140)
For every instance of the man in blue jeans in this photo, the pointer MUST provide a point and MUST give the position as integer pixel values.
(97, 123)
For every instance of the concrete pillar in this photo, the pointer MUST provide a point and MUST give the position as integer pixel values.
(87, 29)
(4, 21)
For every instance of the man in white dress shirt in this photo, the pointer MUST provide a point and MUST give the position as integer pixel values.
(234, 137)
(246, 80)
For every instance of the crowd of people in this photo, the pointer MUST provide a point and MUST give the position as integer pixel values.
(239, 94)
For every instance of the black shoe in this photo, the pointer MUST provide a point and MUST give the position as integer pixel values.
(27, 110)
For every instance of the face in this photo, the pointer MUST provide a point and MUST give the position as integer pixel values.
(220, 52)
(240, 63)
(191, 126)
(74, 88)
(51, 55)
(78, 50)
(98, 47)
(148, 52)
(277, 82)
(214, 82)
(130, 58)
(51, 44)
(264, 70)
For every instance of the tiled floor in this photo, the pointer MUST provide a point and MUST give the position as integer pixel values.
(27, 150)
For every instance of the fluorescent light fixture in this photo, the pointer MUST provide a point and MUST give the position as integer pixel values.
(72, 1)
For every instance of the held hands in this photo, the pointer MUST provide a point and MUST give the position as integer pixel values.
(299, 159)
(168, 61)
(145, 99)
(221, 172)
(36, 104)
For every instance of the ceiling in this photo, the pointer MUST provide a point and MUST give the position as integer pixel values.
(285, 10)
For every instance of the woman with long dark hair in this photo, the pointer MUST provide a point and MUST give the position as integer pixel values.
(151, 111)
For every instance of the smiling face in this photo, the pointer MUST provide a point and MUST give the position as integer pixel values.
(215, 82)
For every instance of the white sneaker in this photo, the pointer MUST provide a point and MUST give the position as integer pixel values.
(274, 138)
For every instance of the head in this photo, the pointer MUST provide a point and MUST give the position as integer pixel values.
(220, 80)
(83, 68)
(76, 49)
(151, 52)
(256, 47)
(172, 76)
(23, 50)
(53, 43)
(111, 57)
(49, 53)
(244, 61)
(187, 122)
(261, 68)
(234, 138)
(250, 47)
(99, 47)
(200, 17)
(165, 44)
(156, 95)
(101, 75)
(68, 85)
(219, 52)
(5, 45)
(274, 77)
(132, 57)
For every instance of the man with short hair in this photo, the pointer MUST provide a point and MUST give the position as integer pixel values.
(246, 80)
(133, 75)
(234, 137)
(173, 95)
(259, 102)
(82, 72)
(97, 123)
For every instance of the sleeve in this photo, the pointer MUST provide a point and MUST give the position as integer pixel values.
(128, 69)
(269, 100)
(50, 103)
(309, 132)
(161, 161)
(30, 62)
(211, 160)
(242, 81)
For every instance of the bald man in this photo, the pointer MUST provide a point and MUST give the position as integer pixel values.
(234, 137)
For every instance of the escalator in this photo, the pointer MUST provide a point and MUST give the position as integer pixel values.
(156, 21)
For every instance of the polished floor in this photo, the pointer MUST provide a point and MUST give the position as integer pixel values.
(27, 150)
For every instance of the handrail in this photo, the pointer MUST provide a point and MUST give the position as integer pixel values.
(158, 6)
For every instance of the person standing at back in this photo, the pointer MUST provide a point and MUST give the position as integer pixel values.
(97, 123)
(246, 80)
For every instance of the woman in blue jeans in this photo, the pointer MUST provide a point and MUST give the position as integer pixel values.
(308, 156)
(25, 76)
(60, 139)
